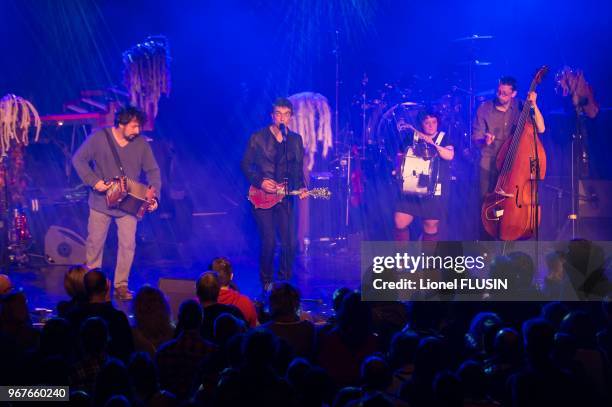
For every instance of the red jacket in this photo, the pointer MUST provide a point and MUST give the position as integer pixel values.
(242, 302)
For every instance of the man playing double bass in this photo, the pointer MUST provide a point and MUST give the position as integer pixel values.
(495, 122)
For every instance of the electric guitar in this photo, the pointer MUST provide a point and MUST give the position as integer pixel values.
(265, 200)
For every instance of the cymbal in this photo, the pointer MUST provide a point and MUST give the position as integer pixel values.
(408, 104)
(476, 62)
(473, 37)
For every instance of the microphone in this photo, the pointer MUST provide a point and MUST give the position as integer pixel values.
(283, 130)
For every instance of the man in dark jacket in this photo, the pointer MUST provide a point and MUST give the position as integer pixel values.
(275, 155)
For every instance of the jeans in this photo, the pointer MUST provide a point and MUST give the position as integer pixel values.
(97, 229)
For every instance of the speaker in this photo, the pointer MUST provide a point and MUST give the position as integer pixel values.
(64, 246)
(177, 291)
(595, 199)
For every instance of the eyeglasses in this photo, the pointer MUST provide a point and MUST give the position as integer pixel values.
(507, 94)
(281, 114)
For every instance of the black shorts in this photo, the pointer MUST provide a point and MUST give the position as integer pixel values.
(429, 207)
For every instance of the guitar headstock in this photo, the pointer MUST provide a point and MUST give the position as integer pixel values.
(542, 71)
(320, 193)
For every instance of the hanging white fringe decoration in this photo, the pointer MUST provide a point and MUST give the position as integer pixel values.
(147, 74)
(312, 120)
(16, 117)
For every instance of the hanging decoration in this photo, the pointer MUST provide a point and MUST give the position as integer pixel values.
(147, 74)
(312, 120)
(16, 117)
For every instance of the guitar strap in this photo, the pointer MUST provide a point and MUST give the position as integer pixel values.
(114, 150)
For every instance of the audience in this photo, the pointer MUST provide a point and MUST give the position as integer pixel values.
(368, 354)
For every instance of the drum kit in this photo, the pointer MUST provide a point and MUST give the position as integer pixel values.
(386, 114)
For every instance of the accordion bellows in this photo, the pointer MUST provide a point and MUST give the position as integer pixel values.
(129, 196)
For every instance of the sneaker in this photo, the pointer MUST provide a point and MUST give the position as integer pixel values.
(123, 293)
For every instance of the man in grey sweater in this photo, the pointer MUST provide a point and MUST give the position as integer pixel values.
(96, 166)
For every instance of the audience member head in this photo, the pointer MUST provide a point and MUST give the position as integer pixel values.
(259, 348)
(118, 401)
(554, 264)
(74, 283)
(189, 316)
(223, 267)
(402, 350)
(554, 312)
(297, 370)
(538, 337)
(143, 375)
(524, 269)
(93, 336)
(346, 396)
(503, 267)
(56, 338)
(112, 380)
(447, 390)
(338, 297)
(317, 387)
(226, 325)
(430, 358)
(507, 345)
(6, 286)
(54, 370)
(284, 300)
(473, 380)
(564, 349)
(151, 311)
(96, 285)
(375, 374)
(233, 350)
(80, 398)
(354, 318)
(579, 325)
(483, 328)
(14, 314)
(208, 287)
(584, 257)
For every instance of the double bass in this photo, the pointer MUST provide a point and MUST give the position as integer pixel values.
(511, 211)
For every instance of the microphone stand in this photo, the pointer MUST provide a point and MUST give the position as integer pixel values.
(285, 134)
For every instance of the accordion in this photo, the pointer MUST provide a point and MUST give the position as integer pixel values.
(129, 196)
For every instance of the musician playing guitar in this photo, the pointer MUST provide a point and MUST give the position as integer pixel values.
(495, 122)
(96, 165)
(275, 155)
(429, 208)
